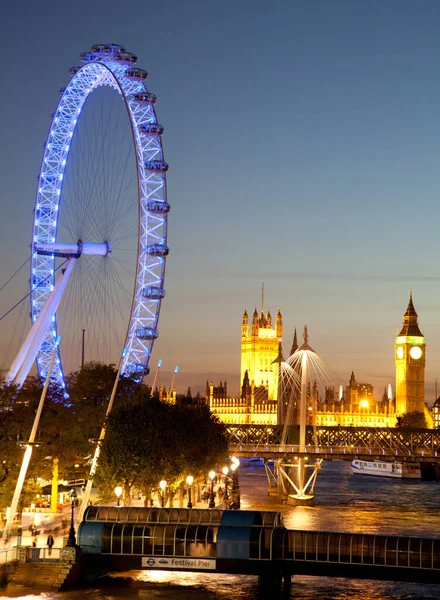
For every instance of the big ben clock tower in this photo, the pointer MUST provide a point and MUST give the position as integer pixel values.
(410, 364)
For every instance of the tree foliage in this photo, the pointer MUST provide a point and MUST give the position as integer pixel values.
(67, 427)
(154, 440)
(413, 420)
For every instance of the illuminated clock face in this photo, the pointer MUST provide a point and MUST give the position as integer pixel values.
(400, 352)
(415, 352)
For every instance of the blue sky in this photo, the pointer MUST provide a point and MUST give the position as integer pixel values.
(303, 144)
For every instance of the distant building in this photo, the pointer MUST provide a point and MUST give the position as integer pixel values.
(436, 413)
(357, 407)
(258, 403)
(251, 407)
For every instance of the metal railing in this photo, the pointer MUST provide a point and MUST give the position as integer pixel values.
(335, 435)
(361, 549)
(42, 554)
(8, 555)
(340, 451)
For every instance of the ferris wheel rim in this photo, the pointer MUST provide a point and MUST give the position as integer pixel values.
(105, 68)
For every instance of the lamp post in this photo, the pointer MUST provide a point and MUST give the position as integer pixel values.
(211, 497)
(162, 485)
(225, 473)
(71, 540)
(237, 484)
(118, 492)
(189, 481)
(235, 491)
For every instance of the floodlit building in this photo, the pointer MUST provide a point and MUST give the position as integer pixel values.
(356, 405)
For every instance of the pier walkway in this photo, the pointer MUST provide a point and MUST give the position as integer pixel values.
(248, 542)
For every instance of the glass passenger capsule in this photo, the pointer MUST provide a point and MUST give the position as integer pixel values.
(157, 165)
(146, 97)
(86, 57)
(151, 129)
(158, 250)
(126, 58)
(155, 293)
(156, 206)
(147, 333)
(137, 369)
(136, 73)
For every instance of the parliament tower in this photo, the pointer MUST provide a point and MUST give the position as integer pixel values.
(410, 365)
(259, 348)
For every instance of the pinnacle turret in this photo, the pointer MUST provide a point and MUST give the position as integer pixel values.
(305, 341)
(294, 347)
(305, 336)
(279, 359)
(269, 318)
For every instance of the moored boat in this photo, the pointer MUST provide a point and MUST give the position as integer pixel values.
(398, 470)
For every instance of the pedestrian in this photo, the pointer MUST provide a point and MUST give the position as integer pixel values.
(50, 543)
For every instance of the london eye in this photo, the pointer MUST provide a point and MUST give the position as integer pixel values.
(99, 239)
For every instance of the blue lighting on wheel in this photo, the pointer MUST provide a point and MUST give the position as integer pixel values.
(115, 70)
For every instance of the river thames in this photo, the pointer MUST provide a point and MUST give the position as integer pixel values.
(344, 502)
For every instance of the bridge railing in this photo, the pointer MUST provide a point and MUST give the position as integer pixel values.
(335, 435)
(373, 451)
(363, 549)
(43, 554)
(8, 555)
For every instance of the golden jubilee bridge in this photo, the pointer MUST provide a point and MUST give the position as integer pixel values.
(335, 440)
(293, 455)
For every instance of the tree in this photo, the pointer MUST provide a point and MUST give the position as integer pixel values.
(413, 420)
(17, 413)
(89, 391)
(154, 440)
(68, 424)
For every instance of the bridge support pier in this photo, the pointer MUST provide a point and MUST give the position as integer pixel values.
(287, 585)
(297, 481)
(269, 586)
(274, 585)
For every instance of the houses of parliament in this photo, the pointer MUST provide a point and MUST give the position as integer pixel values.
(355, 405)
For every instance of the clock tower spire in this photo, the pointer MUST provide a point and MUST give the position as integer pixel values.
(410, 364)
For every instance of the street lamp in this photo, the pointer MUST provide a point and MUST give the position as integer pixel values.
(189, 481)
(71, 540)
(237, 484)
(118, 492)
(211, 497)
(162, 485)
(235, 491)
(225, 473)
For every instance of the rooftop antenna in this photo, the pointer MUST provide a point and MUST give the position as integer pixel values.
(262, 296)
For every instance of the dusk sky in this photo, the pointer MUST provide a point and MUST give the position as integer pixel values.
(303, 144)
